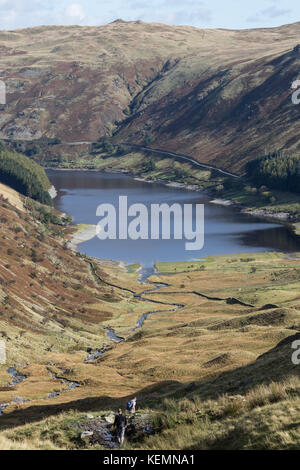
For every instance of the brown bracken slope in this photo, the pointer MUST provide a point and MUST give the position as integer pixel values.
(222, 96)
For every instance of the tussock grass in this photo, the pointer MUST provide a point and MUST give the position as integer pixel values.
(267, 417)
(27, 444)
(57, 432)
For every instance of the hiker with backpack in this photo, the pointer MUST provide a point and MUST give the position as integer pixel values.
(131, 405)
(120, 425)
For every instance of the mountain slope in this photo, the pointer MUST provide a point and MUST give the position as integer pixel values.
(49, 298)
(229, 117)
(219, 95)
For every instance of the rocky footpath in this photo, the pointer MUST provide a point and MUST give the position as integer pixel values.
(100, 430)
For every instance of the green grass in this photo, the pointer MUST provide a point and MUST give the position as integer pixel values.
(240, 261)
(133, 162)
(266, 417)
(182, 266)
(81, 226)
(133, 268)
(297, 228)
(271, 200)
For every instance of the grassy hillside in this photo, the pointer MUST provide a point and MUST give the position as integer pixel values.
(222, 96)
(200, 372)
(47, 291)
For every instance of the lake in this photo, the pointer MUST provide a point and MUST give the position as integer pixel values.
(227, 231)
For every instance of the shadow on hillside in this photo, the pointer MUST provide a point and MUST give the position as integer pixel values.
(275, 364)
(34, 413)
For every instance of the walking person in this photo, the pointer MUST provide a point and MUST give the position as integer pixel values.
(131, 405)
(120, 425)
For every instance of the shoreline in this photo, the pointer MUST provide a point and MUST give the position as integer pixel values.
(84, 233)
(172, 184)
(284, 218)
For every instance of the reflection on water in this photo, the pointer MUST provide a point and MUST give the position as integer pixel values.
(226, 230)
(279, 239)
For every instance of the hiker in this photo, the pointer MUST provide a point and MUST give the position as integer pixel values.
(131, 405)
(120, 425)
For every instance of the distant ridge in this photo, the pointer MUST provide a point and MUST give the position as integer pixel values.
(221, 96)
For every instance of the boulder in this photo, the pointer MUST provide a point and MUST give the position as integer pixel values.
(110, 418)
(86, 434)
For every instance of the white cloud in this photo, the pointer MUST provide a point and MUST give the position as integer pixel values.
(75, 11)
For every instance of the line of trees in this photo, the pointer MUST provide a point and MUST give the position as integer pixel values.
(24, 175)
(276, 170)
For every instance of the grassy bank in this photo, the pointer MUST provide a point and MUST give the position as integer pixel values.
(270, 202)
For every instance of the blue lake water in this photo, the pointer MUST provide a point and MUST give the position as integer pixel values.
(227, 231)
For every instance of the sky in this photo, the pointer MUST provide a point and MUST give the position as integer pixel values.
(233, 14)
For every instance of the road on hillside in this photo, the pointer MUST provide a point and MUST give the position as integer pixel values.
(186, 158)
(168, 154)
